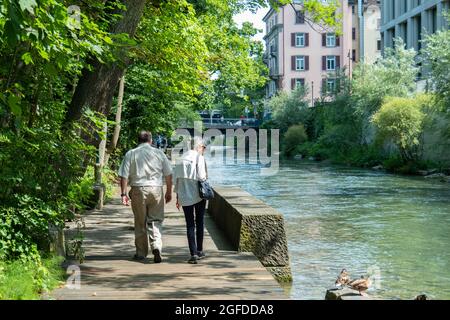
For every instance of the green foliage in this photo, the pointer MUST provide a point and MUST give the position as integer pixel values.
(24, 225)
(80, 192)
(393, 75)
(289, 109)
(437, 57)
(74, 246)
(401, 121)
(21, 280)
(41, 47)
(294, 137)
(398, 165)
(342, 127)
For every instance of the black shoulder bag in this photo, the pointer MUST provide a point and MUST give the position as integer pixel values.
(205, 190)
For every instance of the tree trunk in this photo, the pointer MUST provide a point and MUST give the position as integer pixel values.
(99, 186)
(96, 88)
(115, 138)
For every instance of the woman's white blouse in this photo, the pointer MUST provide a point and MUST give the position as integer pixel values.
(187, 177)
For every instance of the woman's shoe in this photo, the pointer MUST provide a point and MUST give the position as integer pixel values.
(193, 259)
(157, 256)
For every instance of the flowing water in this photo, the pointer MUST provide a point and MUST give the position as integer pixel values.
(395, 228)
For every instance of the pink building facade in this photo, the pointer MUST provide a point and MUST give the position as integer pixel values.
(300, 55)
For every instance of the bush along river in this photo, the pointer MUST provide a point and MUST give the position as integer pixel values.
(396, 228)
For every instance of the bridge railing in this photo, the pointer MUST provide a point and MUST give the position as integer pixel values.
(231, 122)
(223, 123)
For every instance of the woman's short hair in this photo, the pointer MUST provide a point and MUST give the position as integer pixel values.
(197, 142)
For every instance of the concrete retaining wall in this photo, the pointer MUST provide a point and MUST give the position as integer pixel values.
(252, 226)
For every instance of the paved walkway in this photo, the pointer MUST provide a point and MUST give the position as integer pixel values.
(110, 273)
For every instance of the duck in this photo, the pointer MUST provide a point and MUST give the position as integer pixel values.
(342, 279)
(421, 297)
(361, 284)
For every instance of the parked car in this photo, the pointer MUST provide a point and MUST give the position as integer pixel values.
(204, 114)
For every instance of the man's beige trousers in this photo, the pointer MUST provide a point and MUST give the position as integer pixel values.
(148, 208)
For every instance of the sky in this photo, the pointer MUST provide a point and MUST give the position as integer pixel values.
(255, 18)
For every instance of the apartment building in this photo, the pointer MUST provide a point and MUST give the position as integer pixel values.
(411, 19)
(366, 36)
(301, 54)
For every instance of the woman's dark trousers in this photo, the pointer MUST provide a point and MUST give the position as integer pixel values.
(195, 225)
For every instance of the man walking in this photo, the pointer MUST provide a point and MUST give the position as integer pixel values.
(143, 168)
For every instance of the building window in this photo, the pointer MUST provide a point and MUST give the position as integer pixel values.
(353, 33)
(299, 39)
(299, 18)
(300, 63)
(331, 40)
(331, 63)
(272, 47)
(379, 45)
(273, 66)
(378, 24)
(354, 55)
(353, 9)
(272, 22)
(331, 85)
(299, 83)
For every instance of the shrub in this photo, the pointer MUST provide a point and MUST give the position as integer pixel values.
(289, 109)
(398, 165)
(295, 136)
(25, 227)
(401, 121)
(27, 280)
(392, 75)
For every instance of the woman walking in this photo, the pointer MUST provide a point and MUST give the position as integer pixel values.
(188, 172)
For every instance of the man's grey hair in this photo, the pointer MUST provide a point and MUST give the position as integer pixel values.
(144, 136)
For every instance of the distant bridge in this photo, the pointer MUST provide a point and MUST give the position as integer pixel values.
(227, 123)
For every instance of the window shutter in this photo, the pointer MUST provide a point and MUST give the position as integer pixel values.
(293, 83)
(338, 62)
(306, 39)
(306, 63)
(338, 41)
(293, 63)
(324, 39)
(293, 39)
(324, 63)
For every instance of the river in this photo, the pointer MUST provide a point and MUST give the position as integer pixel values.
(395, 228)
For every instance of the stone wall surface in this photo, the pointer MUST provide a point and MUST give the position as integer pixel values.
(252, 226)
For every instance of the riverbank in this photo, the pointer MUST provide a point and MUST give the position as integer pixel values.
(427, 170)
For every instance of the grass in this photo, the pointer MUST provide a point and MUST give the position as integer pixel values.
(28, 280)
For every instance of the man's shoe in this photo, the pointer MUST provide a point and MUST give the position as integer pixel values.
(138, 258)
(201, 255)
(193, 260)
(157, 256)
